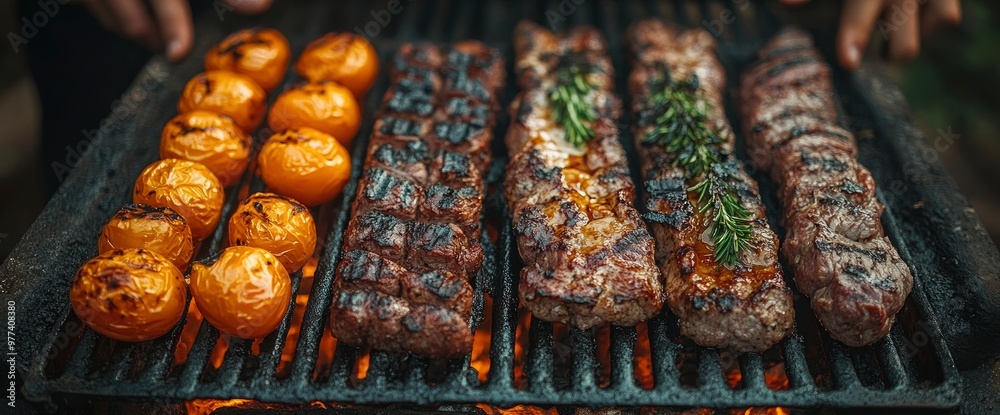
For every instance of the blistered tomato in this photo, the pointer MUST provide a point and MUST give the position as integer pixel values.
(156, 229)
(210, 139)
(278, 224)
(227, 93)
(188, 188)
(129, 295)
(261, 54)
(325, 106)
(245, 293)
(344, 58)
(304, 164)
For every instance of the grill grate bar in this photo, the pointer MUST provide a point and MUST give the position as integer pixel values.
(663, 352)
(232, 363)
(161, 352)
(539, 362)
(198, 356)
(82, 356)
(752, 371)
(121, 358)
(709, 370)
(843, 371)
(796, 368)
(585, 365)
(892, 364)
(504, 312)
(622, 348)
(272, 345)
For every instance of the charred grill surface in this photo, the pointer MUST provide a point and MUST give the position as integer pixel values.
(412, 246)
(834, 241)
(745, 306)
(588, 256)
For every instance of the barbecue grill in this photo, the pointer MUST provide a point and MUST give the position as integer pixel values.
(913, 369)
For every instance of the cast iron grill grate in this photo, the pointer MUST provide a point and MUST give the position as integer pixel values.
(910, 369)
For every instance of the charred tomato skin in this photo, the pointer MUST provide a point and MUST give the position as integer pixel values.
(245, 293)
(210, 139)
(158, 229)
(304, 164)
(228, 93)
(281, 225)
(345, 58)
(188, 188)
(259, 53)
(325, 106)
(129, 295)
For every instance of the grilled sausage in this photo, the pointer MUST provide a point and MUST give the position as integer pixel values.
(835, 244)
(743, 306)
(412, 244)
(588, 256)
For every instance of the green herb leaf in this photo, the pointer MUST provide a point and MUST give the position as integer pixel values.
(680, 114)
(569, 105)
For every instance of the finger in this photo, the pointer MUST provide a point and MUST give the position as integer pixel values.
(940, 13)
(904, 42)
(176, 29)
(856, 22)
(134, 22)
(249, 6)
(102, 13)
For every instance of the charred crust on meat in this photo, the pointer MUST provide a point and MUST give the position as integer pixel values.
(876, 255)
(851, 187)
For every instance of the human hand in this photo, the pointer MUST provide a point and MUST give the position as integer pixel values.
(159, 24)
(903, 23)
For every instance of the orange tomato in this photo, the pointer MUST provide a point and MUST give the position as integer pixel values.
(227, 93)
(129, 295)
(157, 229)
(188, 188)
(261, 54)
(304, 164)
(210, 139)
(245, 293)
(278, 224)
(344, 58)
(325, 106)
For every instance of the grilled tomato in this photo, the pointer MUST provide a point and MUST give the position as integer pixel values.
(343, 58)
(210, 139)
(129, 295)
(156, 229)
(304, 164)
(187, 187)
(245, 293)
(325, 106)
(278, 224)
(261, 54)
(227, 93)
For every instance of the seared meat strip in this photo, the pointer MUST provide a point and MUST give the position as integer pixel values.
(835, 244)
(744, 307)
(588, 256)
(412, 244)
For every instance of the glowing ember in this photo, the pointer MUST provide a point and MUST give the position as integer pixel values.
(517, 410)
(520, 345)
(642, 363)
(361, 366)
(775, 377)
(481, 342)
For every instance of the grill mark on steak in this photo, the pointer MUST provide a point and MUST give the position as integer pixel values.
(834, 241)
(744, 308)
(588, 256)
(412, 243)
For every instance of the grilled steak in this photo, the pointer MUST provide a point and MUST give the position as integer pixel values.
(743, 306)
(412, 244)
(835, 244)
(588, 256)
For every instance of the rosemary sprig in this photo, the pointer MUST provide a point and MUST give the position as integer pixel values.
(681, 116)
(569, 104)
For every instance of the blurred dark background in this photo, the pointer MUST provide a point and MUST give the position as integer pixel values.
(953, 87)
